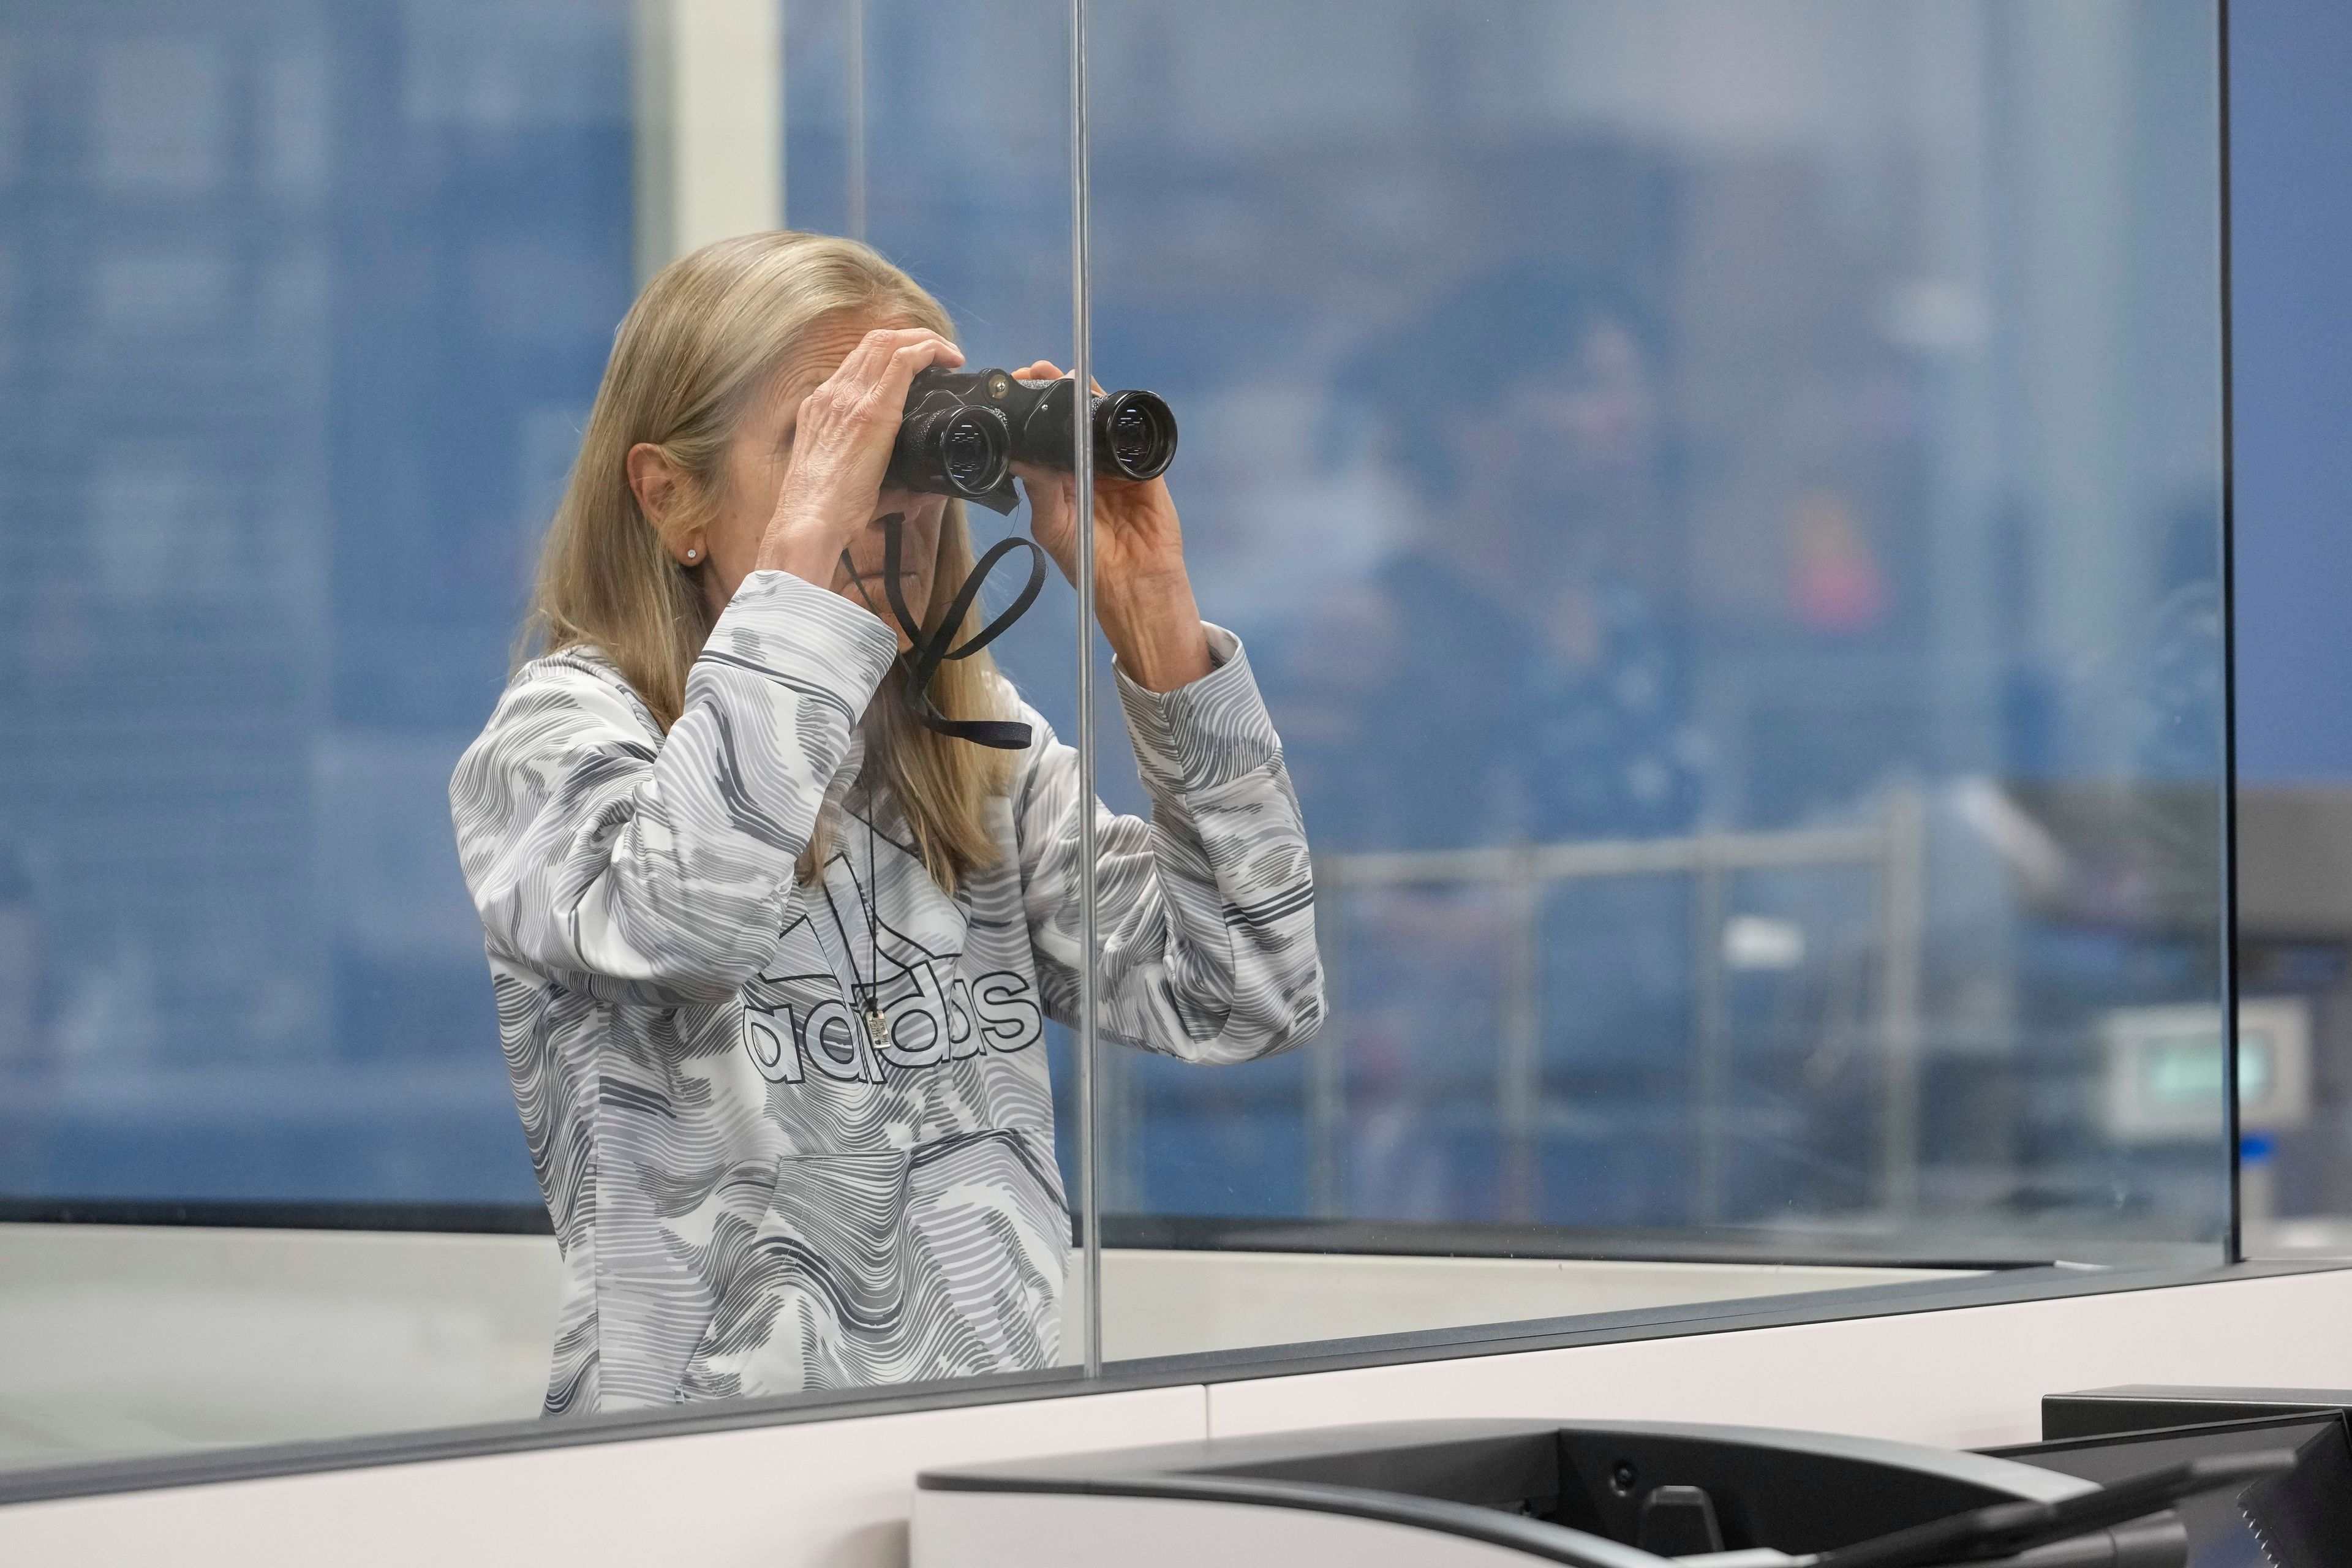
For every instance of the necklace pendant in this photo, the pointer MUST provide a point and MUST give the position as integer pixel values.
(878, 1028)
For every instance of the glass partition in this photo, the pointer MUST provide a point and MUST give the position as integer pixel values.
(1724, 500)
(305, 306)
(1720, 503)
(2294, 775)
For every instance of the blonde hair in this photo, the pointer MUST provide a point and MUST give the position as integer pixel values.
(705, 338)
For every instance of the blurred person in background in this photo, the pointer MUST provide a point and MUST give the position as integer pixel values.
(1505, 676)
(24, 955)
(772, 956)
(27, 1057)
(1536, 684)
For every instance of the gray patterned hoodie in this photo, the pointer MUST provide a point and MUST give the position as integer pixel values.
(749, 1195)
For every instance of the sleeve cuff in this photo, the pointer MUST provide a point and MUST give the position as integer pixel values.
(1208, 732)
(808, 637)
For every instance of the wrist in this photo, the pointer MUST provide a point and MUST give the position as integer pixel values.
(1154, 628)
(804, 552)
(1145, 597)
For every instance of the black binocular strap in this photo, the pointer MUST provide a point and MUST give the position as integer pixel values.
(930, 649)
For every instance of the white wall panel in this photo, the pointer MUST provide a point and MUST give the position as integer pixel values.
(158, 1338)
(823, 1494)
(1969, 1377)
(1008, 1530)
(1177, 1303)
(838, 1493)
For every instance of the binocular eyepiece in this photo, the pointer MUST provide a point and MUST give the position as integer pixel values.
(963, 430)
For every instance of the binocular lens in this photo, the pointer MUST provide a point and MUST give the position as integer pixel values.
(968, 457)
(964, 452)
(1136, 434)
(962, 432)
(1130, 437)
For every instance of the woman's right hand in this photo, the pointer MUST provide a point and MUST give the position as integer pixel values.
(841, 442)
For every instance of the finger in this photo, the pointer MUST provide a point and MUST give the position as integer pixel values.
(882, 390)
(866, 361)
(909, 358)
(884, 339)
(1053, 493)
(1046, 475)
(946, 350)
(938, 349)
(888, 346)
(1045, 369)
(870, 361)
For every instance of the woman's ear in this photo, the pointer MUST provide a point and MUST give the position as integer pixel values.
(659, 488)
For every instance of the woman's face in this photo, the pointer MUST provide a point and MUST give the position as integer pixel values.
(760, 457)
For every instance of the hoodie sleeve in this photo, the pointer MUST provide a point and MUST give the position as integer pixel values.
(1206, 911)
(655, 869)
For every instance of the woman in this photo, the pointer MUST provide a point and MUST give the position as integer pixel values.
(772, 960)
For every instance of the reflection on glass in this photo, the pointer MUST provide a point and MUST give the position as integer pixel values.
(1721, 500)
(307, 305)
(1725, 500)
(304, 305)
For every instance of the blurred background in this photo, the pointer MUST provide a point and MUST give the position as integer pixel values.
(306, 303)
(1726, 498)
(2291, 136)
(304, 306)
(1723, 499)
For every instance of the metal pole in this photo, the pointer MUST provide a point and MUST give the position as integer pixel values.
(1902, 913)
(1518, 1075)
(1620, 858)
(1082, 463)
(1710, 1057)
(1326, 1081)
(858, 118)
(1118, 1102)
(1893, 847)
(2234, 1235)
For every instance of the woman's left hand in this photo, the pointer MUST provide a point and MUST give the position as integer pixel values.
(1143, 597)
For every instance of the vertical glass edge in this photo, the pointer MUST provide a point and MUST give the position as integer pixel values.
(2232, 1234)
(1082, 467)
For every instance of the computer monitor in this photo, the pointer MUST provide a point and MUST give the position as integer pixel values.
(2220, 1535)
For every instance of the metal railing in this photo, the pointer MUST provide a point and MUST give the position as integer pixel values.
(1893, 847)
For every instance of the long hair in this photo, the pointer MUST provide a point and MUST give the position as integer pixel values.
(701, 342)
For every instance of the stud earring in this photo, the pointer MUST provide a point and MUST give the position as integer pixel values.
(692, 553)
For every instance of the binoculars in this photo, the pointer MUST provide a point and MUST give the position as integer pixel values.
(963, 430)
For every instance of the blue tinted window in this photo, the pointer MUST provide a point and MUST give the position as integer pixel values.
(304, 306)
